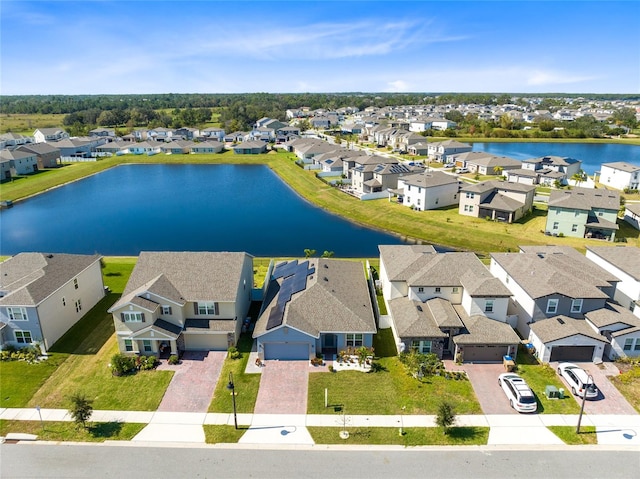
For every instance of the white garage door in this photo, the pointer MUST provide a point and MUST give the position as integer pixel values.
(205, 342)
(286, 351)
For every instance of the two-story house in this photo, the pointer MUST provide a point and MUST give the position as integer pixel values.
(20, 162)
(372, 181)
(496, 200)
(583, 213)
(47, 155)
(442, 150)
(43, 295)
(176, 301)
(43, 135)
(445, 303)
(428, 190)
(546, 170)
(620, 175)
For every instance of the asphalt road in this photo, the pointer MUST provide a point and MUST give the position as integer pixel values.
(102, 461)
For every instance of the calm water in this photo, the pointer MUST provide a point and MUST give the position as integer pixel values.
(132, 208)
(591, 155)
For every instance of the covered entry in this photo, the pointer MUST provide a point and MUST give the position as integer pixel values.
(572, 353)
(286, 351)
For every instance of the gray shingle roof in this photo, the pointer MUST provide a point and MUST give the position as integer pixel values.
(623, 166)
(611, 314)
(336, 299)
(489, 185)
(585, 199)
(29, 278)
(482, 330)
(625, 258)
(542, 274)
(560, 327)
(430, 179)
(414, 319)
(400, 260)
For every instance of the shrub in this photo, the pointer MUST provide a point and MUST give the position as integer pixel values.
(234, 353)
(446, 416)
(81, 409)
(122, 364)
(317, 361)
(146, 363)
(173, 359)
(331, 368)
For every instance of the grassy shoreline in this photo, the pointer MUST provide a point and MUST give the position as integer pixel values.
(439, 227)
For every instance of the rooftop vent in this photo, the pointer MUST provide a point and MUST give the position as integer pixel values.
(560, 320)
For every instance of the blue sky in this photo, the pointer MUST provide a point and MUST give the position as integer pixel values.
(118, 47)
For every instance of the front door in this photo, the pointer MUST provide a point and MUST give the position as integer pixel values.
(330, 341)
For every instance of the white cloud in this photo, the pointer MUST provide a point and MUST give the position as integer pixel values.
(398, 86)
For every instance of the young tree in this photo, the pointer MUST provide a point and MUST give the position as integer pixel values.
(81, 409)
(446, 416)
(309, 252)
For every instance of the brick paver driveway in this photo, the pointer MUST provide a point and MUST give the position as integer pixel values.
(609, 400)
(283, 388)
(484, 379)
(194, 381)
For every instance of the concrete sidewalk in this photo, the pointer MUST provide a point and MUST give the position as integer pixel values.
(291, 428)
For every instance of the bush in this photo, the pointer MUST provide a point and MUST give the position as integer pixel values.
(234, 353)
(81, 409)
(173, 359)
(122, 364)
(446, 416)
(331, 368)
(317, 361)
(146, 363)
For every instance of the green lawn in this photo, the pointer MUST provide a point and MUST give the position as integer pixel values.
(628, 383)
(67, 431)
(222, 434)
(20, 380)
(568, 434)
(456, 436)
(246, 385)
(389, 390)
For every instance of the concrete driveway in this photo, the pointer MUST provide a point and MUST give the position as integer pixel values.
(609, 400)
(484, 379)
(283, 388)
(193, 382)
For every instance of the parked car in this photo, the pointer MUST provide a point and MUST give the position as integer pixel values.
(520, 395)
(449, 165)
(578, 380)
(462, 170)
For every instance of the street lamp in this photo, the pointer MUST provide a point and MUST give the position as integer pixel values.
(231, 387)
(584, 395)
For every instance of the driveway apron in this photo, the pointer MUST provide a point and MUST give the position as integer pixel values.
(283, 388)
(484, 380)
(194, 381)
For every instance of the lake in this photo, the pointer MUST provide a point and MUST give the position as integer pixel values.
(132, 208)
(592, 155)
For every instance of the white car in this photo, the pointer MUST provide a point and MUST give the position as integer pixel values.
(578, 380)
(449, 165)
(462, 170)
(520, 395)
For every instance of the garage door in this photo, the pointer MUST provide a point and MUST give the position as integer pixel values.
(286, 351)
(572, 353)
(205, 342)
(484, 353)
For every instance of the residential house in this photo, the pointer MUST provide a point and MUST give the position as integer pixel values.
(20, 162)
(632, 214)
(546, 170)
(116, 147)
(10, 139)
(308, 148)
(103, 133)
(583, 213)
(44, 135)
(5, 169)
(211, 133)
(76, 149)
(210, 146)
(359, 161)
(47, 155)
(442, 150)
(145, 148)
(547, 281)
(371, 181)
(236, 136)
(418, 149)
(619, 327)
(250, 147)
(177, 147)
(176, 301)
(287, 133)
(620, 175)
(43, 295)
(445, 303)
(402, 140)
(428, 190)
(496, 200)
(485, 163)
(316, 306)
(624, 263)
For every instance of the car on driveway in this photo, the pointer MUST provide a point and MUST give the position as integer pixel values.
(449, 165)
(461, 171)
(578, 380)
(520, 395)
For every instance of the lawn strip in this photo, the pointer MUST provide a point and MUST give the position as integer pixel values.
(568, 435)
(68, 431)
(456, 436)
(215, 434)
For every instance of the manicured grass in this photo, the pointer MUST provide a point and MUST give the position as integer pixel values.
(456, 436)
(538, 377)
(89, 345)
(628, 383)
(389, 390)
(568, 434)
(246, 385)
(20, 380)
(67, 431)
(222, 434)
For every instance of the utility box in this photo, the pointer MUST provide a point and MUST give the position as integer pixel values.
(560, 393)
(551, 392)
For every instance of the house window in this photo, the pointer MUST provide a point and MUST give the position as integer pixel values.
(471, 208)
(574, 228)
(17, 314)
(132, 317)
(488, 306)
(437, 289)
(576, 305)
(23, 337)
(128, 345)
(576, 212)
(418, 201)
(423, 347)
(420, 289)
(470, 195)
(166, 310)
(146, 345)
(628, 343)
(78, 306)
(455, 289)
(637, 348)
(75, 283)
(552, 306)
(555, 225)
(207, 307)
(353, 340)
